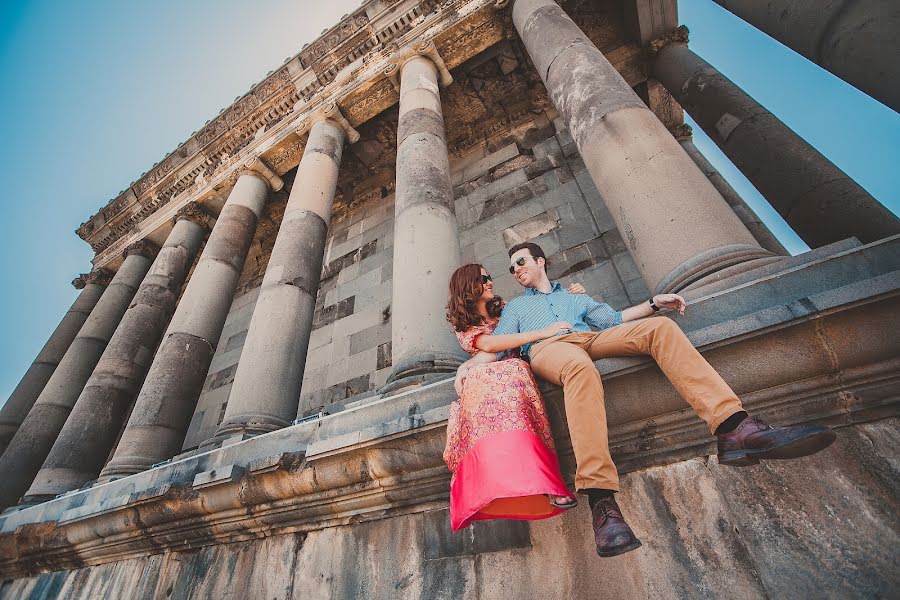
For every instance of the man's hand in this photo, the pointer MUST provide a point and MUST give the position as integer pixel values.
(576, 288)
(554, 329)
(461, 373)
(672, 301)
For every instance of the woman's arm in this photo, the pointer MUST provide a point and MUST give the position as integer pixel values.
(508, 341)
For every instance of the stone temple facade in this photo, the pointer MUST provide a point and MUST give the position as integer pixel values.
(248, 398)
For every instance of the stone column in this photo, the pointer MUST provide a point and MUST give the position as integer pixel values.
(818, 200)
(29, 447)
(38, 374)
(163, 409)
(426, 236)
(267, 382)
(857, 41)
(748, 217)
(90, 432)
(674, 222)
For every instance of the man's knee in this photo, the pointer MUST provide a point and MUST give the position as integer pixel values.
(579, 367)
(665, 325)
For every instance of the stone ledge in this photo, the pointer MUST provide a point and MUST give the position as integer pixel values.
(385, 458)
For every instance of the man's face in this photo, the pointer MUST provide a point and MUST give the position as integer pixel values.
(530, 271)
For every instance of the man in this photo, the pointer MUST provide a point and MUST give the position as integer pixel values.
(568, 360)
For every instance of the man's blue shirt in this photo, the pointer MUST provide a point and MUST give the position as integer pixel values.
(536, 310)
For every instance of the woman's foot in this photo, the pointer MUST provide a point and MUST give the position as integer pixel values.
(563, 501)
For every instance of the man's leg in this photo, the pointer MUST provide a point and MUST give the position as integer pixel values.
(566, 364)
(693, 377)
(741, 440)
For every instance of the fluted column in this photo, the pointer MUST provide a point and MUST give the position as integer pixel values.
(748, 217)
(29, 447)
(163, 409)
(857, 41)
(87, 438)
(818, 200)
(92, 286)
(675, 224)
(267, 382)
(426, 236)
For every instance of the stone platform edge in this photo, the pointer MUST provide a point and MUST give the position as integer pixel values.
(834, 360)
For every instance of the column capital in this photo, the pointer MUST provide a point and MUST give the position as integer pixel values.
(330, 111)
(193, 212)
(98, 276)
(256, 166)
(142, 247)
(681, 131)
(679, 35)
(415, 50)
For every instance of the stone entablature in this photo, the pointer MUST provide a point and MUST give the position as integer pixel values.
(345, 65)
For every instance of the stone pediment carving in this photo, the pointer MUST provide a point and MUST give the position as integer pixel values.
(330, 67)
(346, 65)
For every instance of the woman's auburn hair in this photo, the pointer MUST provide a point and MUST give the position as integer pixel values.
(465, 290)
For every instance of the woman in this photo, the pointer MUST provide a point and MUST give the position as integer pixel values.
(499, 446)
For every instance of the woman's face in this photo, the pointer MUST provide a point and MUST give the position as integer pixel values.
(487, 288)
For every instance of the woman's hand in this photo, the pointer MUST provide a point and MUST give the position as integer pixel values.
(554, 329)
(672, 301)
(576, 288)
(461, 373)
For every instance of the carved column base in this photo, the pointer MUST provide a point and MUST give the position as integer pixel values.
(714, 265)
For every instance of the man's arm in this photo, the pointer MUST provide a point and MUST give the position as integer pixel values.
(639, 311)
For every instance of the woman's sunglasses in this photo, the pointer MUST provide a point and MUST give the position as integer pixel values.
(485, 279)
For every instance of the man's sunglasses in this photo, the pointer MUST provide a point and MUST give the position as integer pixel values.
(485, 279)
(519, 261)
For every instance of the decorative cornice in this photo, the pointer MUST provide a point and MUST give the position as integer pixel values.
(97, 276)
(677, 36)
(192, 211)
(141, 247)
(256, 166)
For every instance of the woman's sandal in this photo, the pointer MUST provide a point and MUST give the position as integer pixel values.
(553, 501)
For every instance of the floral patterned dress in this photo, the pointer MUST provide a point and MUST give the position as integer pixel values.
(499, 446)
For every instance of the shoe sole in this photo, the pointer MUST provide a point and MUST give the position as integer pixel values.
(798, 448)
(620, 550)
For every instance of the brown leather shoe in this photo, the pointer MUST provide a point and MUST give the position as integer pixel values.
(754, 439)
(611, 533)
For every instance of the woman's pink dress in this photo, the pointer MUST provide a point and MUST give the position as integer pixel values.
(499, 445)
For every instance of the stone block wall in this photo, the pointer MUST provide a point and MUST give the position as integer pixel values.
(531, 186)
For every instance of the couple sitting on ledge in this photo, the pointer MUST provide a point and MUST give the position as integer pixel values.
(499, 445)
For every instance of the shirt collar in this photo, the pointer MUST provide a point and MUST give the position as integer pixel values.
(554, 287)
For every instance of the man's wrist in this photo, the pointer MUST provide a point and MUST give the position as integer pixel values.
(653, 305)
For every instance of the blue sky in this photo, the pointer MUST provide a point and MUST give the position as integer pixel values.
(95, 93)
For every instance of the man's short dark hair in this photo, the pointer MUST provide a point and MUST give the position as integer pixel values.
(535, 250)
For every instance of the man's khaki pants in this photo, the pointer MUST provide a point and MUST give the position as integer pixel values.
(568, 360)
